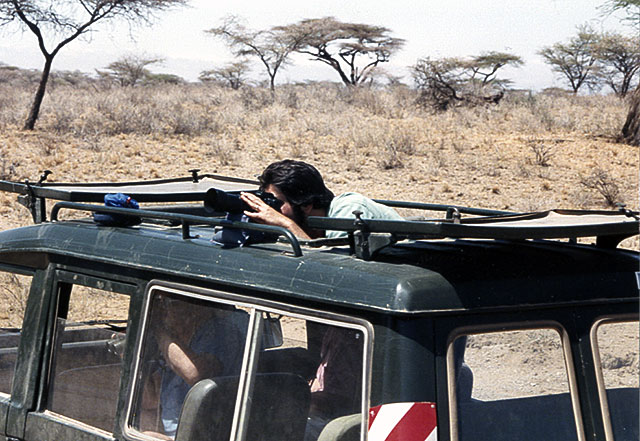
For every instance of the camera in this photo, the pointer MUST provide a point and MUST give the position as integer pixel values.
(221, 201)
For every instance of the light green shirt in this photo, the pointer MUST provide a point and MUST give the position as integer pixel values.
(344, 205)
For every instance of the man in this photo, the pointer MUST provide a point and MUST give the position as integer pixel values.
(302, 190)
(194, 340)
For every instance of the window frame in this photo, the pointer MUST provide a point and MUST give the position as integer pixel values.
(529, 325)
(597, 363)
(249, 363)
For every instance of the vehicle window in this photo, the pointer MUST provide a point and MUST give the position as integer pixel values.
(87, 357)
(320, 367)
(186, 340)
(512, 385)
(13, 300)
(253, 373)
(618, 351)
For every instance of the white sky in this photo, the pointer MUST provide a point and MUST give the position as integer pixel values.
(435, 28)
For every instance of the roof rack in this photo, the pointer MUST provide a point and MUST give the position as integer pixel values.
(366, 236)
(186, 189)
(370, 236)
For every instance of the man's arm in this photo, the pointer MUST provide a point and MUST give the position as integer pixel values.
(190, 366)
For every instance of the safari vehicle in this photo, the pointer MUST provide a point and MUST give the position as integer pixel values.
(470, 325)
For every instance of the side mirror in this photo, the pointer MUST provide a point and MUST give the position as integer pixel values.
(271, 331)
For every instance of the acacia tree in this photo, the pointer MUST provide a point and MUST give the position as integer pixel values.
(454, 81)
(66, 20)
(575, 60)
(129, 70)
(272, 47)
(353, 50)
(232, 74)
(619, 57)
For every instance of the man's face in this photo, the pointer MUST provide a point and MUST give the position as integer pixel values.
(287, 209)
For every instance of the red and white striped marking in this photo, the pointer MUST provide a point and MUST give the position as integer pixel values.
(403, 422)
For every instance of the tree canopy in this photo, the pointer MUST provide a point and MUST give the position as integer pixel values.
(575, 60)
(453, 81)
(353, 50)
(232, 74)
(619, 59)
(129, 70)
(272, 46)
(630, 7)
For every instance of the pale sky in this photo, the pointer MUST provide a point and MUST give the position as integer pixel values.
(435, 28)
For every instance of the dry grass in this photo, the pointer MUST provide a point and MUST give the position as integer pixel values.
(528, 153)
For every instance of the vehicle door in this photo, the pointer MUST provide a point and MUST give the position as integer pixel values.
(15, 285)
(72, 360)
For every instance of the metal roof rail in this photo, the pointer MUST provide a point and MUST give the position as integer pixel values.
(184, 220)
(185, 189)
(450, 209)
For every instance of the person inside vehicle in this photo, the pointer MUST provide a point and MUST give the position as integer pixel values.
(302, 190)
(336, 389)
(194, 341)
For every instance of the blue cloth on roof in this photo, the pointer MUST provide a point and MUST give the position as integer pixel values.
(118, 200)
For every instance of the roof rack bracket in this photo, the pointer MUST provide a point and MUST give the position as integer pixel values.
(367, 244)
(37, 206)
(453, 213)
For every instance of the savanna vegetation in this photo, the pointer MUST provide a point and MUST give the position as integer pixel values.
(527, 152)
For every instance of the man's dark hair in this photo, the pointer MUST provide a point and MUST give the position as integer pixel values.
(299, 182)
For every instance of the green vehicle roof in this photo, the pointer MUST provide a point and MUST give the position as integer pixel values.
(412, 277)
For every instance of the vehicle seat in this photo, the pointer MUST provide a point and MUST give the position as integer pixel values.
(279, 408)
(278, 412)
(345, 428)
(201, 417)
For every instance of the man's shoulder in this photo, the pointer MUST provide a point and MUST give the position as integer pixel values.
(350, 197)
(344, 204)
(348, 201)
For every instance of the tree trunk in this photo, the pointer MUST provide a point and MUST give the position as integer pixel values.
(631, 128)
(30, 123)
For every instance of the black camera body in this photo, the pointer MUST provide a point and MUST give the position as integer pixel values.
(221, 201)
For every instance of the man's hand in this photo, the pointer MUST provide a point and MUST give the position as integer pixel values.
(264, 214)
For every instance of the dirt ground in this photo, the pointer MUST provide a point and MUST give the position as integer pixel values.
(531, 362)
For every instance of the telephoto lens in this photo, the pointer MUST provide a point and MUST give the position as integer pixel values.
(220, 201)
